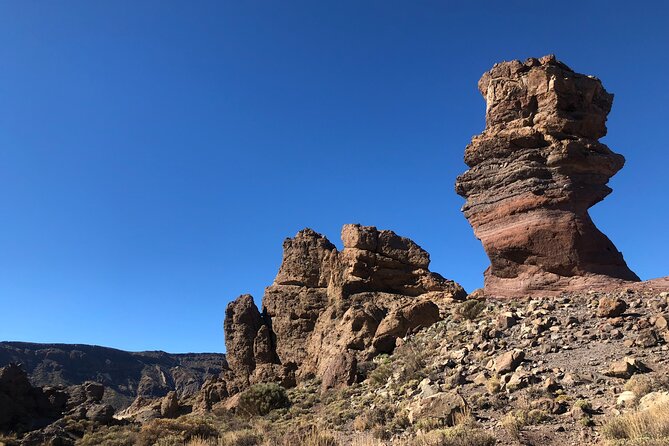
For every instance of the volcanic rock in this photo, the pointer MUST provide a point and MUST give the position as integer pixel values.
(611, 307)
(22, 406)
(533, 173)
(329, 310)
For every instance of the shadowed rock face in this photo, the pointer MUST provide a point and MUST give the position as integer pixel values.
(328, 310)
(125, 375)
(534, 172)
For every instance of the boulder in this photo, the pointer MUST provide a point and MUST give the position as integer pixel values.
(533, 173)
(446, 408)
(653, 399)
(508, 362)
(22, 406)
(611, 307)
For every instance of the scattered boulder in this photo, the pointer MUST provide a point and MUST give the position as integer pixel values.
(443, 407)
(625, 368)
(626, 399)
(533, 173)
(611, 307)
(508, 362)
(653, 399)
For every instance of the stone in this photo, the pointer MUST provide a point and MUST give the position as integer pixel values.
(444, 407)
(328, 310)
(533, 173)
(23, 407)
(213, 391)
(505, 320)
(620, 369)
(242, 322)
(626, 399)
(507, 362)
(169, 405)
(646, 339)
(100, 413)
(653, 399)
(626, 367)
(611, 307)
(403, 321)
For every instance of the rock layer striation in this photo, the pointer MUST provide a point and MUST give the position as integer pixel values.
(533, 174)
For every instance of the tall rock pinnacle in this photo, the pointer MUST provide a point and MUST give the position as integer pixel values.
(533, 174)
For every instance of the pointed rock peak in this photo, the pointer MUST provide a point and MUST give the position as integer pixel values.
(306, 260)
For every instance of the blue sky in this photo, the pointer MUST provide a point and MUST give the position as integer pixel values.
(155, 154)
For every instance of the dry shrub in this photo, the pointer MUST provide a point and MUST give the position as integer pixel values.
(110, 436)
(175, 432)
(261, 399)
(644, 384)
(470, 309)
(466, 433)
(234, 438)
(650, 424)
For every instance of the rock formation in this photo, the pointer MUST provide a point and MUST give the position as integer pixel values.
(534, 172)
(328, 310)
(45, 414)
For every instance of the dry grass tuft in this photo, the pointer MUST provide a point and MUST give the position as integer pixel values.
(648, 427)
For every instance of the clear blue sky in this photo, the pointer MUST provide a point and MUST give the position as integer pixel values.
(155, 154)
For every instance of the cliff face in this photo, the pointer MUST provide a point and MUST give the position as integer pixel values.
(329, 310)
(126, 375)
(533, 174)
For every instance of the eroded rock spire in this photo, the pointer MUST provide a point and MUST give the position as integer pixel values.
(534, 172)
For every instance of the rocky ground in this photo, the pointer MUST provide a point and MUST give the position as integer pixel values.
(559, 371)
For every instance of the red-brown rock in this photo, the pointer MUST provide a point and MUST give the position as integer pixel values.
(534, 172)
(327, 310)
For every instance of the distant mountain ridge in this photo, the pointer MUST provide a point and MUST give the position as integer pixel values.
(124, 374)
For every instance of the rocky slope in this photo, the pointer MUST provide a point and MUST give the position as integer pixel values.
(534, 172)
(328, 310)
(125, 375)
(48, 415)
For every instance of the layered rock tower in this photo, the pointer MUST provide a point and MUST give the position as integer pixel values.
(329, 310)
(534, 172)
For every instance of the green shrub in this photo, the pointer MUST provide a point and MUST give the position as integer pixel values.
(470, 309)
(111, 436)
(261, 399)
(178, 431)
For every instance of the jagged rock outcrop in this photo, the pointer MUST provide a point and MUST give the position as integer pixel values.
(45, 414)
(534, 172)
(329, 310)
(24, 407)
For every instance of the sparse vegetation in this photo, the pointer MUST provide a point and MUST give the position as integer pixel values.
(470, 309)
(166, 432)
(261, 399)
(647, 427)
